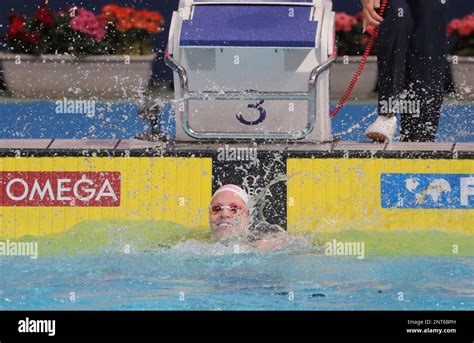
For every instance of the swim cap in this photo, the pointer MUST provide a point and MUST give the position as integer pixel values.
(234, 189)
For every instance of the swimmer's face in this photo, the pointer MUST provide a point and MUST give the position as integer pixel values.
(227, 222)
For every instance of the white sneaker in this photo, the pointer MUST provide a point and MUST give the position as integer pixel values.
(383, 129)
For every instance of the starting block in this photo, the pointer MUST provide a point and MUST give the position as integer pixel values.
(251, 69)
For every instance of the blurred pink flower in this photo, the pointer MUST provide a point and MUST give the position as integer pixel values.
(345, 22)
(464, 27)
(87, 22)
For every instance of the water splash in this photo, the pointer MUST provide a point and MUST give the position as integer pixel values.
(261, 229)
(258, 223)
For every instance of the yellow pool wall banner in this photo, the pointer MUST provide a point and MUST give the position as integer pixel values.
(47, 195)
(336, 194)
(171, 189)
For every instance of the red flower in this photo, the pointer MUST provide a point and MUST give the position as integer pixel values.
(17, 24)
(110, 9)
(453, 26)
(87, 22)
(364, 39)
(32, 38)
(359, 16)
(45, 17)
(345, 22)
(464, 27)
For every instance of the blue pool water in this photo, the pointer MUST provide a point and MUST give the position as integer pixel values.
(179, 280)
(38, 119)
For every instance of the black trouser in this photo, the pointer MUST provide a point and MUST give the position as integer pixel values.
(412, 58)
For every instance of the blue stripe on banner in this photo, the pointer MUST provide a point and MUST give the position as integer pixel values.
(430, 191)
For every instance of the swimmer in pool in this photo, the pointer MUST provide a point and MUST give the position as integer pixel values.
(229, 219)
(229, 213)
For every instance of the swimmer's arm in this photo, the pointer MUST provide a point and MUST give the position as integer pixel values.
(272, 242)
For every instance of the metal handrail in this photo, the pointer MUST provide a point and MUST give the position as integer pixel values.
(232, 95)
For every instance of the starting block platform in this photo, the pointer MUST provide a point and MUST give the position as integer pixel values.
(254, 69)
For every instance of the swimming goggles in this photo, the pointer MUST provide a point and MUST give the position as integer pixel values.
(234, 209)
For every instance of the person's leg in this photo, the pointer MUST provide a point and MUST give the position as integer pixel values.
(392, 44)
(426, 70)
(394, 38)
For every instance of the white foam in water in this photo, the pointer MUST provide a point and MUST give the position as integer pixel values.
(195, 247)
(283, 243)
